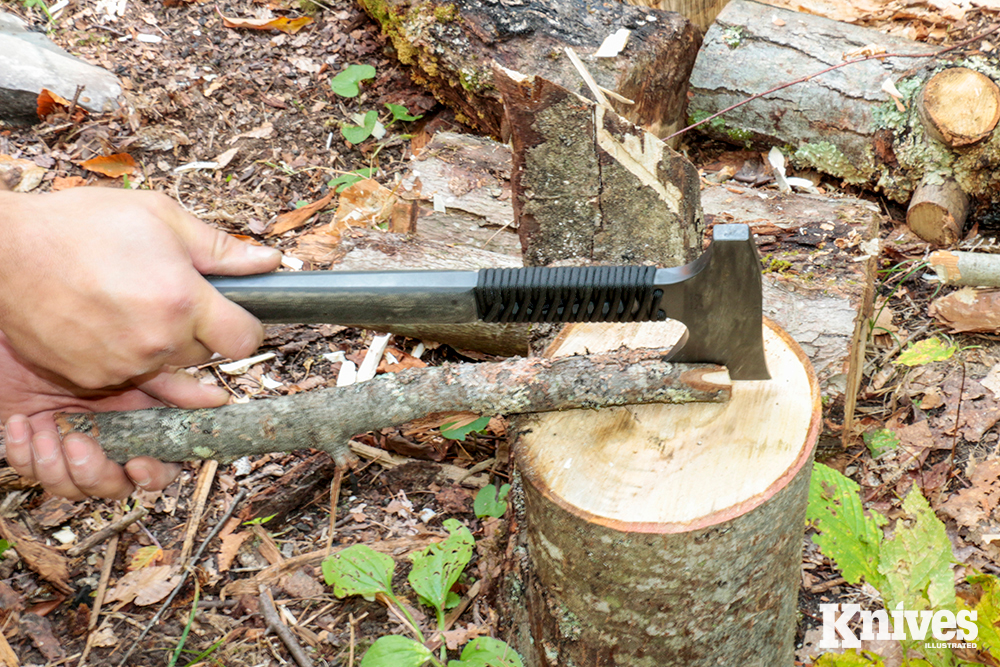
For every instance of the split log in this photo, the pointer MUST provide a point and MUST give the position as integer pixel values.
(843, 123)
(674, 536)
(588, 186)
(451, 47)
(327, 419)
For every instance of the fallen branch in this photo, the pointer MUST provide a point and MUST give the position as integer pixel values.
(274, 623)
(113, 528)
(328, 418)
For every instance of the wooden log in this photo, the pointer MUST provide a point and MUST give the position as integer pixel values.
(451, 47)
(588, 186)
(665, 535)
(938, 210)
(841, 123)
(699, 12)
(972, 269)
(959, 106)
(328, 418)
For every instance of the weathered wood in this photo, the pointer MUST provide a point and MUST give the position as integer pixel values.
(588, 186)
(452, 46)
(665, 535)
(842, 122)
(326, 419)
(938, 210)
(959, 106)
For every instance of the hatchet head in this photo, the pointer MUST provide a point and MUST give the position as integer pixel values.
(718, 298)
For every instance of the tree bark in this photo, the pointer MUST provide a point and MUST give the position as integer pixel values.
(326, 419)
(452, 46)
(674, 536)
(841, 123)
(588, 186)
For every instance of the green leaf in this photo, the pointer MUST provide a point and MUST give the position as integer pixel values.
(880, 441)
(346, 83)
(459, 432)
(987, 612)
(849, 658)
(489, 502)
(437, 567)
(925, 352)
(846, 535)
(396, 651)
(917, 560)
(358, 133)
(260, 520)
(344, 181)
(400, 112)
(487, 652)
(359, 570)
(4, 545)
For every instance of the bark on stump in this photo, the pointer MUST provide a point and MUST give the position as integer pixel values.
(666, 535)
(452, 47)
(842, 122)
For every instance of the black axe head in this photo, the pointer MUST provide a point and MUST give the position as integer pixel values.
(718, 298)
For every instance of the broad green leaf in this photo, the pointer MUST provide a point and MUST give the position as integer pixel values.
(4, 545)
(849, 658)
(359, 570)
(987, 612)
(916, 562)
(490, 503)
(880, 441)
(346, 83)
(437, 567)
(400, 112)
(487, 652)
(344, 181)
(846, 535)
(396, 651)
(459, 432)
(358, 133)
(925, 352)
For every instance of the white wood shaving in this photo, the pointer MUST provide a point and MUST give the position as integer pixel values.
(243, 365)
(372, 357)
(348, 374)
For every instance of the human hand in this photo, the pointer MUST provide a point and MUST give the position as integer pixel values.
(77, 467)
(101, 286)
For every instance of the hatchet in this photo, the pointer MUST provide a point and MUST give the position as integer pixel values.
(717, 297)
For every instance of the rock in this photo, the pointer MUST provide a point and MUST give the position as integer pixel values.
(30, 62)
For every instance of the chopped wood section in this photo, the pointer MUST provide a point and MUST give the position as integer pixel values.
(630, 510)
(452, 46)
(699, 12)
(938, 210)
(960, 106)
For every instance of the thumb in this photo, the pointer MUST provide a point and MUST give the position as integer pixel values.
(175, 387)
(214, 251)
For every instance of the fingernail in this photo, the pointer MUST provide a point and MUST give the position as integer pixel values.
(77, 450)
(45, 447)
(17, 430)
(262, 252)
(140, 477)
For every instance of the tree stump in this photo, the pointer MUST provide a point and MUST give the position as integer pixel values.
(666, 535)
(959, 106)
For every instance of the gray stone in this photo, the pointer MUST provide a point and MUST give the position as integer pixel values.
(29, 62)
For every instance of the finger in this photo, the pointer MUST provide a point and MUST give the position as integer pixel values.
(49, 466)
(150, 474)
(191, 354)
(18, 432)
(226, 328)
(92, 472)
(176, 387)
(214, 251)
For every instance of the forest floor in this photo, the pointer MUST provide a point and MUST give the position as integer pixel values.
(259, 105)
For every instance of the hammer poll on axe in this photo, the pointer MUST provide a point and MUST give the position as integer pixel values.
(717, 297)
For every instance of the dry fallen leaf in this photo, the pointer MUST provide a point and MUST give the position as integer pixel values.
(40, 631)
(50, 564)
(114, 166)
(146, 586)
(968, 309)
(974, 505)
(49, 103)
(282, 23)
(67, 182)
(300, 216)
(263, 132)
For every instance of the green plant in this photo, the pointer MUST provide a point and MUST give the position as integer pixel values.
(187, 628)
(4, 545)
(28, 4)
(259, 521)
(925, 352)
(456, 431)
(912, 569)
(346, 82)
(880, 441)
(401, 113)
(348, 179)
(368, 125)
(360, 570)
(490, 502)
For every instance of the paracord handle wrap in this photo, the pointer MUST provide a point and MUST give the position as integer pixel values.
(568, 294)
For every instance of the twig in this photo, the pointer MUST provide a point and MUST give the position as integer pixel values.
(72, 104)
(278, 627)
(338, 478)
(110, 530)
(184, 575)
(195, 512)
(350, 655)
(879, 56)
(102, 587)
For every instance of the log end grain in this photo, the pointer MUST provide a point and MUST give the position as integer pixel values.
(959, 106)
